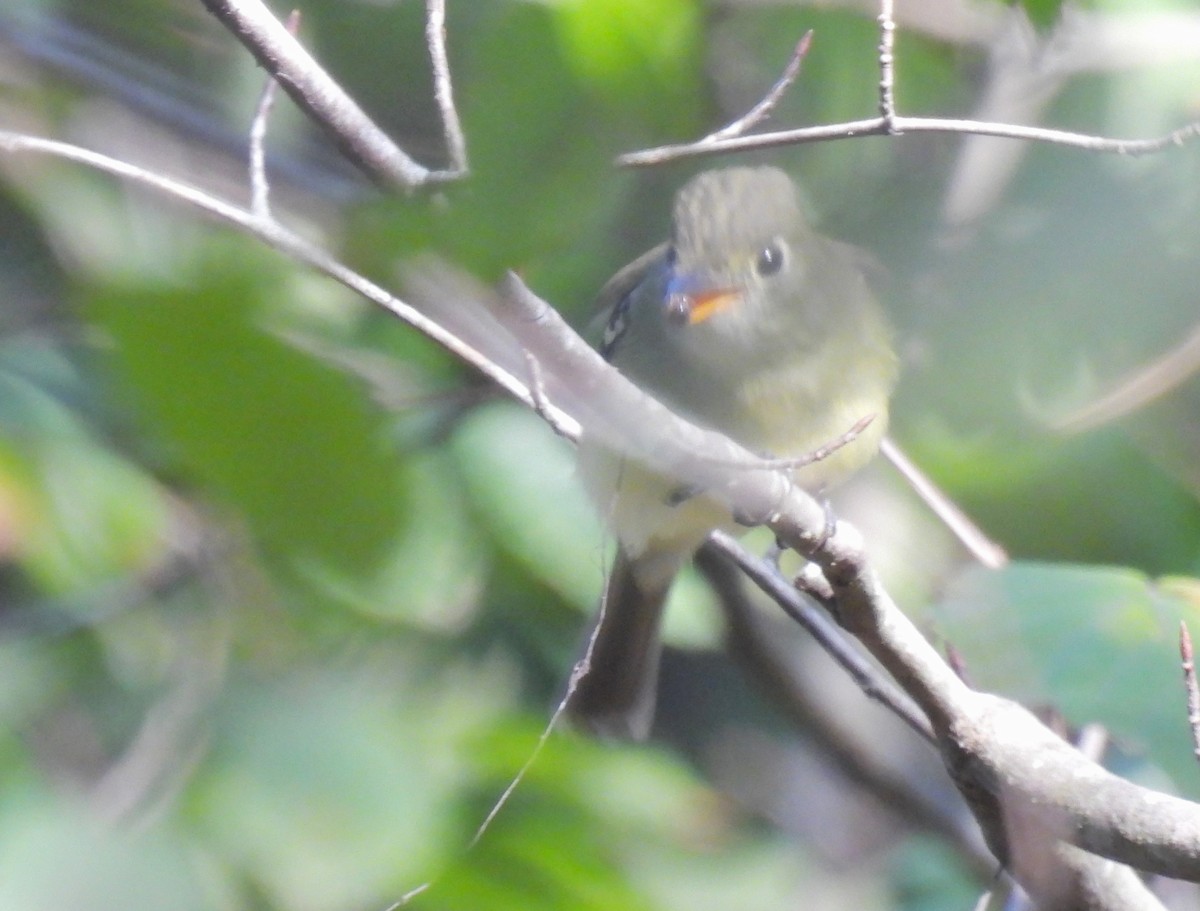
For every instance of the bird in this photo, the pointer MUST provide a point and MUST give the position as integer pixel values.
(747, 322)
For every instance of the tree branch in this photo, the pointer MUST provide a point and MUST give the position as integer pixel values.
(275, 235)
(762, 110)
(1190, 686)
(970, 535)
(443, 93)
(898, 125)
(260, 189)
(817, 623)
(890, 123)
(765, 658)
(1025, 785)
(317, 93)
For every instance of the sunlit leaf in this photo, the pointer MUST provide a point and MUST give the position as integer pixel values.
(1098, 643)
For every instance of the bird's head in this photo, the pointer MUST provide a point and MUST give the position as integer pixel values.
(736, 250)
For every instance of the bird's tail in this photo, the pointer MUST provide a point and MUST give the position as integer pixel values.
(615, 695)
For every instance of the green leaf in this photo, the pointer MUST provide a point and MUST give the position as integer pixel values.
(324, 789)
(289, 441)
(1044, 14)
(94, 517)
(1098, 643)
(435, 574)
(521, 479)
(634, 50)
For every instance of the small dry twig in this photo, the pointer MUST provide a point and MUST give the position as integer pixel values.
(443, 92)
(260, 190)
(890, 123)
(317, 93)
(887, 61)
(275, 235)
(766, 104)
(815, 620)
(970, 535)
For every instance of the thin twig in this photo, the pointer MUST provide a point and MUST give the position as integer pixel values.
(541, 401)
(766, 104)
(276, 235)
(889, 123)
(260, 190)
(314, 90)
(1190, 685)
(1084, 141)
(879, 126)
(887, 63)
(820, 454)
(829, 636)
(580, 669)
(970, 535)
(443, 91)
(773, 662)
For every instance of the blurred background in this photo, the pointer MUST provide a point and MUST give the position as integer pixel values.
(287, 593)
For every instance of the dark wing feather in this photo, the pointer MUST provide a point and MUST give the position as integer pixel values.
(612, 303)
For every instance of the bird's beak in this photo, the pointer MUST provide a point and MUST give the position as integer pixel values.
(697, 307)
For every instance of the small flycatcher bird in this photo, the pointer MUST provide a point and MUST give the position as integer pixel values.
(751, 324)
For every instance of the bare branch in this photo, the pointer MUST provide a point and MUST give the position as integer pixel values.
(878, 126)
(970, 535)
(890, 123)
(260, 190)
(820, 454)
(824, 631)
(443, 92)
(887, 61)
(1034, 795)
(316, 92)
(1083, 141)
(287, 242)
(1042, 804)
(541, 404)
(858, 753)
(766, 104)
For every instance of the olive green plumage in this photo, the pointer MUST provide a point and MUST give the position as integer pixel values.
(747, 322)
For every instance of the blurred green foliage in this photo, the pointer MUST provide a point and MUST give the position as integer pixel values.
(286, 594)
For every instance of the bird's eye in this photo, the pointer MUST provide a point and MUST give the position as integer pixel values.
(770, 259)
